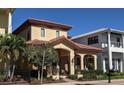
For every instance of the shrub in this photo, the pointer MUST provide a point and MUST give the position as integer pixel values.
(115, 74)
(83, 71)
(99, 72)
(78, 71)
(81, 78)
(92, 74)
(122, 74)
(117, 77)
(1, 76)
(89, 76)
(73, 77)
(49, 78)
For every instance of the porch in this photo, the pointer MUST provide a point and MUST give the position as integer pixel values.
(116, 62)
(72, 56)
(70, 60)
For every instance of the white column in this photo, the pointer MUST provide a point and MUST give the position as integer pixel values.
(72, 70)
(95, 62)
(123, 40)
(121, 65)
(109, 51)
(82, 61)
(9, 23)
(117, 64)
(122, 61)
(104, 67)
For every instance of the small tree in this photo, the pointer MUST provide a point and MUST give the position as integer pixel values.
(33, 58)
(50, 56)
(42, 56)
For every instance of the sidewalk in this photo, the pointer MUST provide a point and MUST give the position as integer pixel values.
(98, 82)
(72, 82)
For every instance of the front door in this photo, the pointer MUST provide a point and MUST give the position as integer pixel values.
(64, 65)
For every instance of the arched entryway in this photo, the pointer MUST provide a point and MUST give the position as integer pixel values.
(89, 62)
(64, 60)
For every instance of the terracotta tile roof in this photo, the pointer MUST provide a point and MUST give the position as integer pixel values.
(66, 41)
(35, 42)
(44, 23)
(88, 47)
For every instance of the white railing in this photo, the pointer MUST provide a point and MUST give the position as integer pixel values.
(113, 44)
(116, 44)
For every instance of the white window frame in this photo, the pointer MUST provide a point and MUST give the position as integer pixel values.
(57, 34)
(42, 33)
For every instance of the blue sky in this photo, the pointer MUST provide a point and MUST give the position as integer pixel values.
(82, 20)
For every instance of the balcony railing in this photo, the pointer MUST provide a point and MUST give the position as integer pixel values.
(116, 44)
(113, 44)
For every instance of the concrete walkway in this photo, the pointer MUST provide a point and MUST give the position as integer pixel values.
(98, 82)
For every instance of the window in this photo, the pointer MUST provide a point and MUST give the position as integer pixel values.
(57, 34)
(118, 40)
(93, 40)
(42, 32)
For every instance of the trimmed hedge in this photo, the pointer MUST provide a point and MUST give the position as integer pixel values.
(96, 75)
(73, 77)
(97, 72)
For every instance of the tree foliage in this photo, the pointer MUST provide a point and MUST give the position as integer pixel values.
(42, 56)
(11, 48)
(35, 55)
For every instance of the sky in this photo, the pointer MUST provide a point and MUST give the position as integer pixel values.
(82, 20)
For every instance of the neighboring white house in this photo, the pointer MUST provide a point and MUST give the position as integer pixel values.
(112, 43)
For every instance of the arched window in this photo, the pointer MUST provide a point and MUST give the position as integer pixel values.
(89, 62)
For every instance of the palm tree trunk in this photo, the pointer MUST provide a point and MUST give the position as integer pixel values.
(38, 74)
(8, 72)
(5, 70)
(12, 74)
(42, 67)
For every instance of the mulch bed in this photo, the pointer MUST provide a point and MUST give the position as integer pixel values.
(37, 82)
(34, 82)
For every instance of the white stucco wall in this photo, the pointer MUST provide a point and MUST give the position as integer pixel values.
(84, 40)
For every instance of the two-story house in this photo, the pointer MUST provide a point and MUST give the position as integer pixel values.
(112, 43)
(72, 55)
(6, 20)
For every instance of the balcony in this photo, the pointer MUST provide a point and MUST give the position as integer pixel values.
(116, 44)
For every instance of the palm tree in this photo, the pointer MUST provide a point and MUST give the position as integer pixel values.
(12, 47)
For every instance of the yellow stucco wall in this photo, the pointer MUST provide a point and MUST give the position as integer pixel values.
(3, 23)
(71, 64)
(49, 33)
(62, 46)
